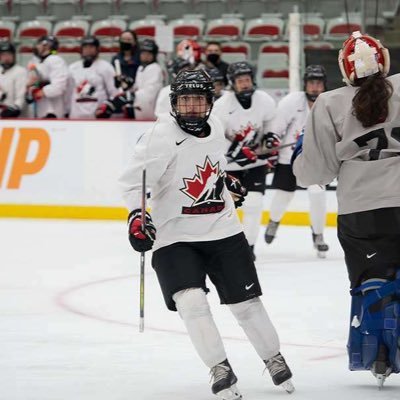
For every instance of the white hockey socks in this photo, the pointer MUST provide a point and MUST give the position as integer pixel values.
(252, 208)
(254, 320)
(279, 204)
(317, 197)
(194, 310)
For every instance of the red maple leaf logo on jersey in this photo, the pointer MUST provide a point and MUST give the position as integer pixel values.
(246, 134)
(205, 189)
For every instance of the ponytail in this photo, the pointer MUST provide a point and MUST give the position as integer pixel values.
(371, 102)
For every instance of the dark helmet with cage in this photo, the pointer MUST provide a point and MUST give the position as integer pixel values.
(314, 72)
(192, 83)
(216, 74)
(150, 46)
(7, 62)
(177, 64)
(88, 56)
(237, 69)
(45, 45)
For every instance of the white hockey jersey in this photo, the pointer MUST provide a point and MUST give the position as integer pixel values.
(54, 70)
(289, 121)
(251, 122)
(13, 86)
(185, 174)
(91, 87)
(163, 104)
(148, 82)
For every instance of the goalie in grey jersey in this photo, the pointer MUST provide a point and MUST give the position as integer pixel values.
(196, 231)
(353, 133)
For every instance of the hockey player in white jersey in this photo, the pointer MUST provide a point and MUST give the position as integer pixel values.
(139, 99)
(92, 80)
(289, 121)
(194, 230)
(352, 133)
(246, 113)
(12, 83)
(48, 80)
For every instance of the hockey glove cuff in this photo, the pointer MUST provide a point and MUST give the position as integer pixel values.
(236, 190)
(141, 240)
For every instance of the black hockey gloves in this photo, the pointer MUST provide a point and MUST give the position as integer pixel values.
(269, 149)
(141, 241)
(236, 190)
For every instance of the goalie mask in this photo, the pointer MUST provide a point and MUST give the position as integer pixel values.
(235, 70)
(191, 98)
(362, 56)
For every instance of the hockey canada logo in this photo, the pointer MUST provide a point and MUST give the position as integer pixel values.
(247, 134)
(205, 189)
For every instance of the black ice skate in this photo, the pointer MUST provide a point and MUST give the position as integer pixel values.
(280, 372)
(224, 382)
(320, 245)
(270, 232)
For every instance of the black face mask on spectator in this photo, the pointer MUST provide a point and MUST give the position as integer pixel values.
(88, 61)
(7, 66)
(213, 58)
(125, 46)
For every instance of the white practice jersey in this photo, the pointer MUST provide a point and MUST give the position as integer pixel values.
(90, 87)
(54, 70)
(13, 86)
(251, 122)
(163, 104)
(289, 121)
(365, 160)
(185, 175)
(148, 82)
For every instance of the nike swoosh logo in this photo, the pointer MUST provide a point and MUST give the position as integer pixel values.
(370, 255)
(249, 286)
(257, 183)
(178, 143)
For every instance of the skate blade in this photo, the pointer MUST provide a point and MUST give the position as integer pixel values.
(231, 393)
(288, 386)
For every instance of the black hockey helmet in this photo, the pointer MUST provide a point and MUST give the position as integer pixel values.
(50, 40)
(192, 82)
(177, 64)
(90, 41)
(314, 72)
(216, 74)
(239, 68)
(150, 46)
(7, 47)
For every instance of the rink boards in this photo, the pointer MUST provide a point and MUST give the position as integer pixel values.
(69, 169)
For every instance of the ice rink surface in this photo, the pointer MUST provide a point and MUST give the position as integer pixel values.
(69, 295)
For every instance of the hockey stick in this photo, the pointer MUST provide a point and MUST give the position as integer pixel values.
(142, 254)
(272, 150)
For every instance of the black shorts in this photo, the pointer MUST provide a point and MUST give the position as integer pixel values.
(284, 178)
(253, 179)
(228, 262)
(371, 243)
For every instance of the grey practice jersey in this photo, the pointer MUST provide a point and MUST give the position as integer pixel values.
(365, 160)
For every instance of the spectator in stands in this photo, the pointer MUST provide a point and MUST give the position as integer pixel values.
(213, 52)
(129, 54)
(12, 83)
(47, 84)
(92, 80)
(139, 101)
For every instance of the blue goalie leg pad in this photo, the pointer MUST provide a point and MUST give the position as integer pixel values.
(375, 322)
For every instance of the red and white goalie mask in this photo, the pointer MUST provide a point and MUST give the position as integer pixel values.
(189, 50)
(362, 56)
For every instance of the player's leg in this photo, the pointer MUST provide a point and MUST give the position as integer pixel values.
(181, 275)
(233, 272)
(317, 199)
(370, 241)
(285, 184)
